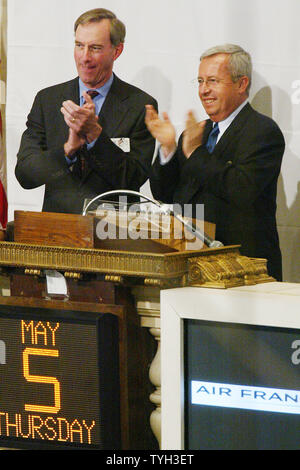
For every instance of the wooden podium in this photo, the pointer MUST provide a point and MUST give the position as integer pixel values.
(123, 277)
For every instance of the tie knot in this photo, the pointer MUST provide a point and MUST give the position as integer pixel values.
(215, 129)
(92, 93)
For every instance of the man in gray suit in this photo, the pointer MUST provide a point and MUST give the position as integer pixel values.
(78, 143)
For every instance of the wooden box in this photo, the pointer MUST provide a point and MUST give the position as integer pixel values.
(53, 229)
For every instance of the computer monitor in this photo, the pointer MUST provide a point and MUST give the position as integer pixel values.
(232, 381)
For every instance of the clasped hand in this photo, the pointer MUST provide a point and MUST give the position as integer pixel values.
(82, 122)
(164, 131)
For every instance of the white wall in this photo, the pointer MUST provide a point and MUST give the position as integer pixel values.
(164, 41)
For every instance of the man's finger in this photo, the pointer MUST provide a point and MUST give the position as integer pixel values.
(165, 116)
(70, 106)
(70, 120)
(87, 98)
(191, 119)
(151, 114)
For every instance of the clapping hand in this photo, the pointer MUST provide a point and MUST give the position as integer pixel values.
(161, 129)
(193, 134)
(82, 122)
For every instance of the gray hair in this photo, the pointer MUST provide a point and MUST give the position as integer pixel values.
(240, 62)
(117, 28)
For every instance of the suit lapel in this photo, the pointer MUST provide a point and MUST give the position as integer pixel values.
(208, 127)
(234, 128)
(114, 108)
(70, 91)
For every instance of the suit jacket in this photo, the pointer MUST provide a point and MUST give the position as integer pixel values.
(237, 184)
(41, 159)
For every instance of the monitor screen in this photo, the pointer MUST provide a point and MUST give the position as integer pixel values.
(242, 386)
(59, 380)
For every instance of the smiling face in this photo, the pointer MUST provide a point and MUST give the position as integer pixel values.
(219, 95)
(94, 53)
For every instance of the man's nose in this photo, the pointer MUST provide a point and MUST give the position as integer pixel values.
(86, 53)
(204, 89)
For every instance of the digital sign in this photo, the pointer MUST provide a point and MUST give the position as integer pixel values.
(242, 387)
(59, 379)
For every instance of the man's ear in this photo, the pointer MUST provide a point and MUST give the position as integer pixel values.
(118, 50)
(243, 84)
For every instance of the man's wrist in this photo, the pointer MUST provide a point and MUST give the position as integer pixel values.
(70, 151)
(168, 149)
(92, 136)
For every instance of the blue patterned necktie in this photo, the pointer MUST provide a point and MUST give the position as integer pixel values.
(212, 138)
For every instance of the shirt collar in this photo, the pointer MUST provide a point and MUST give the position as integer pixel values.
(103, 90)
(226, 122)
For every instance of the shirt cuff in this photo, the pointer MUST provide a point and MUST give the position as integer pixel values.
(91, 144)
(164, 159)
(70, 161)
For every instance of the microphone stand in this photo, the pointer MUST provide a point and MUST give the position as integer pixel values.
(165, 210)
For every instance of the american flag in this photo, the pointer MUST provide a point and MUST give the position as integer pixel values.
(3, 199)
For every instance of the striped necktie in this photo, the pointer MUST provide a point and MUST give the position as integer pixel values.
(92, 93)
(212, 138)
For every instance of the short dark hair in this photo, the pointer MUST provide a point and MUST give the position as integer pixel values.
(117, 28)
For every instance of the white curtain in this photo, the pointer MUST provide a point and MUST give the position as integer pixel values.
(164, 41)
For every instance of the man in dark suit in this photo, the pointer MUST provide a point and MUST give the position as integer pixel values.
(80, 145)
(235, 177)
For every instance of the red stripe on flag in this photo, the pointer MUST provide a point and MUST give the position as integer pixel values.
(3, 199)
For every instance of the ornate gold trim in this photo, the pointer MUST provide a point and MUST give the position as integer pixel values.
(115, 279)
(112, 262)
(72, 275)
(227, 270)
(33, 272)
(219, 267)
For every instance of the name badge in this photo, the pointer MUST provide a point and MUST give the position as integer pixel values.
(122, 142)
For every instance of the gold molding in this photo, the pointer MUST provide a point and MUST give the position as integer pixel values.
(33, 272)
(227, 270)
(113, 262)
(115, 279)
(72, 275)
(219, 267)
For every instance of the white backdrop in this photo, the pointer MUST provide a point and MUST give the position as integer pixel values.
(164, 41)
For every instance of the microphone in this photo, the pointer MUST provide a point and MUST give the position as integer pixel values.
(164, 209)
